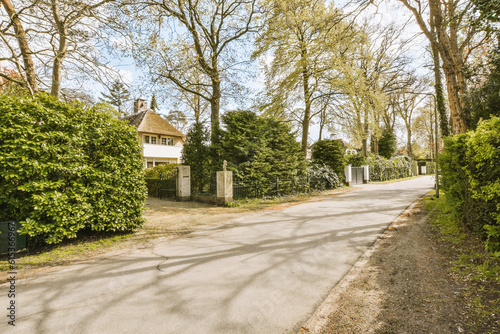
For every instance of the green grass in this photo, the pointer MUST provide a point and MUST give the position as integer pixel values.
(478, 270)
(50, 255)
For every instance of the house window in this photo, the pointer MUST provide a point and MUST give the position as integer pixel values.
(153, 140)
(170, 141)
(146, 139)
(164, 141)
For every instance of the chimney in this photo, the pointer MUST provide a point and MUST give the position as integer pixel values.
(140, 105)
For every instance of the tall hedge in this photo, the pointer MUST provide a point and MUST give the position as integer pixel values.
(68, 167)
(470, 168)
(382, 169)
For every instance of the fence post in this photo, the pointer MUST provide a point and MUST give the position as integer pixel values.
(277, 186)
(184, 183)
(348, 175)
(224, 187)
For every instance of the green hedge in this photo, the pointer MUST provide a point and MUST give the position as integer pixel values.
(470, 168)
(65, 168)
(382, 169)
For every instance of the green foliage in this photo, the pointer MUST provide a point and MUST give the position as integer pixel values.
(259, 149)
(326, 173)
(196, 154)
(65, 168)
(355, 160)
(164, 171)
(118, 96)
(331, 153)
(484, 102)
(471, 177)
(387, 143)
(382, 169)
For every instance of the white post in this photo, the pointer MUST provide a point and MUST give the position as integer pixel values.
(366, 170)
(348, 175)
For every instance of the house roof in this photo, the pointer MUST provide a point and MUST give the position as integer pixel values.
(151, 122)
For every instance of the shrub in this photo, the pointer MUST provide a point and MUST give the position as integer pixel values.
(331, 153)
(356, 160)
(387, 143)
(382, 169)
(471, 178)
(65, 168)
(164, 171)
(326, 173)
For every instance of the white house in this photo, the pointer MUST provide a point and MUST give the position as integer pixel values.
(161, 142)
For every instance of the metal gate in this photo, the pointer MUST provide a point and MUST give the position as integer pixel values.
(357, 175)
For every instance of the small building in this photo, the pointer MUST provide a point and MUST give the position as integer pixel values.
(161, 142)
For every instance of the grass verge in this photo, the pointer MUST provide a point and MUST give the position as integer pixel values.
(477, 270)
(68, 251)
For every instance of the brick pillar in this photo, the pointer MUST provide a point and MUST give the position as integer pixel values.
(366, 173)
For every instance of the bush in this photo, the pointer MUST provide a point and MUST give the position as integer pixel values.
(331, 153)
(382, 169)
(471, 178)
(355, 160)
(260, 149)
(65, 168)
(326, 173)
(163, 172)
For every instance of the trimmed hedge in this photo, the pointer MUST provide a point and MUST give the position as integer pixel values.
(382, 169)
(470, 168)
(67, 167)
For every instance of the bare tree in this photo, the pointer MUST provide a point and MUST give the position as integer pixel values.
(58, 36)
(176, 36)
(448, 24)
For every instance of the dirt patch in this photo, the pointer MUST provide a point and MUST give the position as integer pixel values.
(402, 285)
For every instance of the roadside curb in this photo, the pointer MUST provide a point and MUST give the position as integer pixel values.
(320, 317)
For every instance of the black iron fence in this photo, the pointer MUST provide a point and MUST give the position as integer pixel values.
(163, 187)
(277, 187)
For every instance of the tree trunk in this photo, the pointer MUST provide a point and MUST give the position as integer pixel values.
(214, 110)
(61, 52)
(22, 40)
(441, 107)
(410, 150)
(307, 101)
(452, 64)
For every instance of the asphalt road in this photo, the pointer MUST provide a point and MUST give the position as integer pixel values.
(261, 273)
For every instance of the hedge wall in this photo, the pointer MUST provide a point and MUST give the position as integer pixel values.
(65, 168)
(470, 168)
(382, 169)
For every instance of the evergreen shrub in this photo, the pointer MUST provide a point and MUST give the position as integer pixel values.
(65, 168)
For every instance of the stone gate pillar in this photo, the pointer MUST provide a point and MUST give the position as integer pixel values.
(224, 186)
(184, 183)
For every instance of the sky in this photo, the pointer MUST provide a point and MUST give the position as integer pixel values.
(385, 12)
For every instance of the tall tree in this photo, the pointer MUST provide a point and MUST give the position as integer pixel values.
(29, 69)
(456, 37)
(302, 36)
(176, 36)
(58, 36)
(119, 96)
